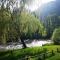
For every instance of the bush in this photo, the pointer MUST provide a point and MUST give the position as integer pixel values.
(48, 44)
(56, 36)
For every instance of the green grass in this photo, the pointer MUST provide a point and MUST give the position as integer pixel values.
(53, 47)
(56, 57)
(17, 54)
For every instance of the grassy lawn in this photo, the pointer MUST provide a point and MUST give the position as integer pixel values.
(17, 54)
(56, 57)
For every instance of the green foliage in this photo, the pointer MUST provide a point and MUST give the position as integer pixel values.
(56, 36)
(48, 44)
(51, 22)
(16, 24)
(17, 54)
(4, 23)
(56, 57)
(23, 25)
(30, 25)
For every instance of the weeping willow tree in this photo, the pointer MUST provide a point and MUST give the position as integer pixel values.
(28, 25)
(18, 24)
(4, 20)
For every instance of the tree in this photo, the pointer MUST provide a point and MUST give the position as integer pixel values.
(26, 25)
(4, 19)
(18, 24)
(56, 36)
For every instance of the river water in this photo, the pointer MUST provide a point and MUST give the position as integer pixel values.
(34, 43)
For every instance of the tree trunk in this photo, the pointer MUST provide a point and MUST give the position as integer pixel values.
(24, 45)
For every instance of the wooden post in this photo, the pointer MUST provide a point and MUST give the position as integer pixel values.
(57, 50)
(11, 52)
(27, 58)
(39, 58)
(53, 53)
(44, 56)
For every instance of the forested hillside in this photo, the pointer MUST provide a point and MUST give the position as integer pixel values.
(49, 14)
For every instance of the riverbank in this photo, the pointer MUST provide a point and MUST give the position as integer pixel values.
(22, 53)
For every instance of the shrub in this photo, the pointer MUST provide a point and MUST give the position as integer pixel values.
(56, 36)
(48, 44)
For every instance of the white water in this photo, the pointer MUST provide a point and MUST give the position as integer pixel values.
(38, 43)
(32, 44)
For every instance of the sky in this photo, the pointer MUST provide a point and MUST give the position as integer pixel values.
(36, 4)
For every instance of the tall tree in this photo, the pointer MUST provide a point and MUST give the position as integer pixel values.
(26, 25)
(4, 19)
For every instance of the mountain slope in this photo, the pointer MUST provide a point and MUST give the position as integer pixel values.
(48, 9)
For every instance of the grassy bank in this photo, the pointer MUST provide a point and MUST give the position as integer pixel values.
(56, 57)
(17, 54)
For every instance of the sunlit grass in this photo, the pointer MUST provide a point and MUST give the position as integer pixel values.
(56, 57)
(16, 54)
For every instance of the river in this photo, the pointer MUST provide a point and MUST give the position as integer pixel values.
(33, 43)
